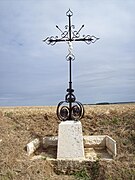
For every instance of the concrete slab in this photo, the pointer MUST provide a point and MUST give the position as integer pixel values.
(70, 141)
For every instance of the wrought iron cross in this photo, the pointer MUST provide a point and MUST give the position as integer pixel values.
(74, 110)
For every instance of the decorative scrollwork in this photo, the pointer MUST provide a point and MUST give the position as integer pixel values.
(89, 39)
(70, 97)
(66, 27)
(77, 111)
(73, 26)
(62, 112)
(65, 113)
(51, 40)
(76, 34)
(64, 34)
(94, 39)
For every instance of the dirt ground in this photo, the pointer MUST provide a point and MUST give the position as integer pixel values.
(19, 125)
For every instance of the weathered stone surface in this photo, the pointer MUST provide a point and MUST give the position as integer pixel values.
(90, 154)
(94, 141)
(70, 141)
(111, 146)
(95, 146)
(50, 141)
(32, 146)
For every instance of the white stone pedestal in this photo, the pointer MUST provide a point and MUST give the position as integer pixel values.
(70, 141)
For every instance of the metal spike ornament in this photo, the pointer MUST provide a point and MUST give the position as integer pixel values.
(70, 109)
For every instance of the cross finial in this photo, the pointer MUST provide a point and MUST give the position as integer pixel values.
(70, 34)
(69, 13)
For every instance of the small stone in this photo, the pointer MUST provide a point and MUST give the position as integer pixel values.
(32, 146)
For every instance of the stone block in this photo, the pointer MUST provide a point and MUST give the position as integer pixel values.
(111, 146)
(50, 141)
(94, 141)
(32, 146)
(70, 141)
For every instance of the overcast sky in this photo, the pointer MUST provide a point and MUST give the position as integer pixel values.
(33, 73)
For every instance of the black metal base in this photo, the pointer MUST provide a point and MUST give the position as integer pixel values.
(70, 109)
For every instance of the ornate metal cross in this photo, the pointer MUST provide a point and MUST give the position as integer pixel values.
(74, 110)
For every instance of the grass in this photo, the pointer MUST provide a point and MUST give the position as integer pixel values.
(8, 176)
(82, 175)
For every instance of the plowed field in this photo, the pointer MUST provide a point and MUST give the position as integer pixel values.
(19, 125)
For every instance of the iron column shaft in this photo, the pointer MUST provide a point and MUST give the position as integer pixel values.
(70, 37)
(70, 87)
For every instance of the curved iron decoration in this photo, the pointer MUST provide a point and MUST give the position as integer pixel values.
(76, 112)
(70, 109)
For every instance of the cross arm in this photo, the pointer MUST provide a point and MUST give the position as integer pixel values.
(52, 40)
(88, 39)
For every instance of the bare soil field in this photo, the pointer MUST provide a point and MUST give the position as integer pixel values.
(19, 125)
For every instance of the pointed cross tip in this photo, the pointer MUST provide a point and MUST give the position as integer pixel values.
(69, 12)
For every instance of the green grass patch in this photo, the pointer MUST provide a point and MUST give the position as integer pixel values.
(82, 175)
